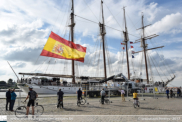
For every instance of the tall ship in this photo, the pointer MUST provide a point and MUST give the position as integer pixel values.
(58, 48)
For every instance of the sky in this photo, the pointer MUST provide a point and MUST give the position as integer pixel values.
(25, 27)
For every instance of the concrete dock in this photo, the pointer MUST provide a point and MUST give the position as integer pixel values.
(116, 111)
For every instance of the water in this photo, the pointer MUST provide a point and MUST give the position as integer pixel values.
(3, 94)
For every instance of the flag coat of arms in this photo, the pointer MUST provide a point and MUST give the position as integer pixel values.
(59, 47)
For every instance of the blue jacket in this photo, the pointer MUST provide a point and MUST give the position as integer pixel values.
(167, 91)
(13, 96)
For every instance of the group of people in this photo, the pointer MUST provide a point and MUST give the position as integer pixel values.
(10, 99)
(171, 93)
(61, 93)
(79, 96)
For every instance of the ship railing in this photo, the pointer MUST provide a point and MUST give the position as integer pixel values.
(61, 85)
(100, 87)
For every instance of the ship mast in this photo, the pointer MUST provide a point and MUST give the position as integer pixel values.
(144, 46)
(126, 39)
(72, 38)
(102, 33)
(144, 50)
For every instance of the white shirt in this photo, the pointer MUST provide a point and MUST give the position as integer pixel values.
(122, 92)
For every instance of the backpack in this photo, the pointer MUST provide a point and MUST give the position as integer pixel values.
(103, 93)
(32, 95)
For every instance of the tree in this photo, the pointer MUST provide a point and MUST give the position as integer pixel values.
(2, 83)
(10, 81)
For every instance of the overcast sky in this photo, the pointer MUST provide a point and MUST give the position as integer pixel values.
(25, 27)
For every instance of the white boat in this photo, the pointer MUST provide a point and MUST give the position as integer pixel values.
(41, 88)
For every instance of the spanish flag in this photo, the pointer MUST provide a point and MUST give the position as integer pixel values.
(58, 47)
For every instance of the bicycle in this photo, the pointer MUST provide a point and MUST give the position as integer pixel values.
(106, 100)
(21, 110)
(136, 103)
(82, 101)
(60, 103)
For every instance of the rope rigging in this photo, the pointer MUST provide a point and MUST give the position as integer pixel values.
(163, 62)
(155, 67)
(150, 68)
(161, 59)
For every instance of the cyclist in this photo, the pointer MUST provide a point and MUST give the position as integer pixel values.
(60, 97)
(135, 97)
(32, 95)
(79, 94)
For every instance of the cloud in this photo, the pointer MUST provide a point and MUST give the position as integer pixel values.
(167, 24)
(26, 35)
(2, 72)
(150, 11)
(22, 54)
(85, 33)
(19, 65)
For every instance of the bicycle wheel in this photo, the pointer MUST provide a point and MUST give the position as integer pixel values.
(107, 101)
(138, 104)
(78, 103)
(20, 112)
(60, 105)
(100, 101)
(38, 110)
(83, 101)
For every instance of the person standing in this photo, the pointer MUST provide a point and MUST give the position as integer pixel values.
(180, 91)
(122, 94)
(103, 94)
(13, 98)
(79, 94)
(167, 92)
(32, 95)
(8, 99)
(60, 97)
(177, 92)
(171, 93)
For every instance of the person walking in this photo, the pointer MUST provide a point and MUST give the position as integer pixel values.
(13, 98)
(103, 94)
(32, 95)
(8, 99)
(122, 94)
(60, 97)
(167, 92)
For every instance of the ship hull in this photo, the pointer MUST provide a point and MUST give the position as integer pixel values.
(49, 89)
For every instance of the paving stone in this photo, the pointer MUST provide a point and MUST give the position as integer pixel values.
(108, 112)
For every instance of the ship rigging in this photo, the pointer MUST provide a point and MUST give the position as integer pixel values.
(102, 53)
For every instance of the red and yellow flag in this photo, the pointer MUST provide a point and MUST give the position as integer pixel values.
(58, 47)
